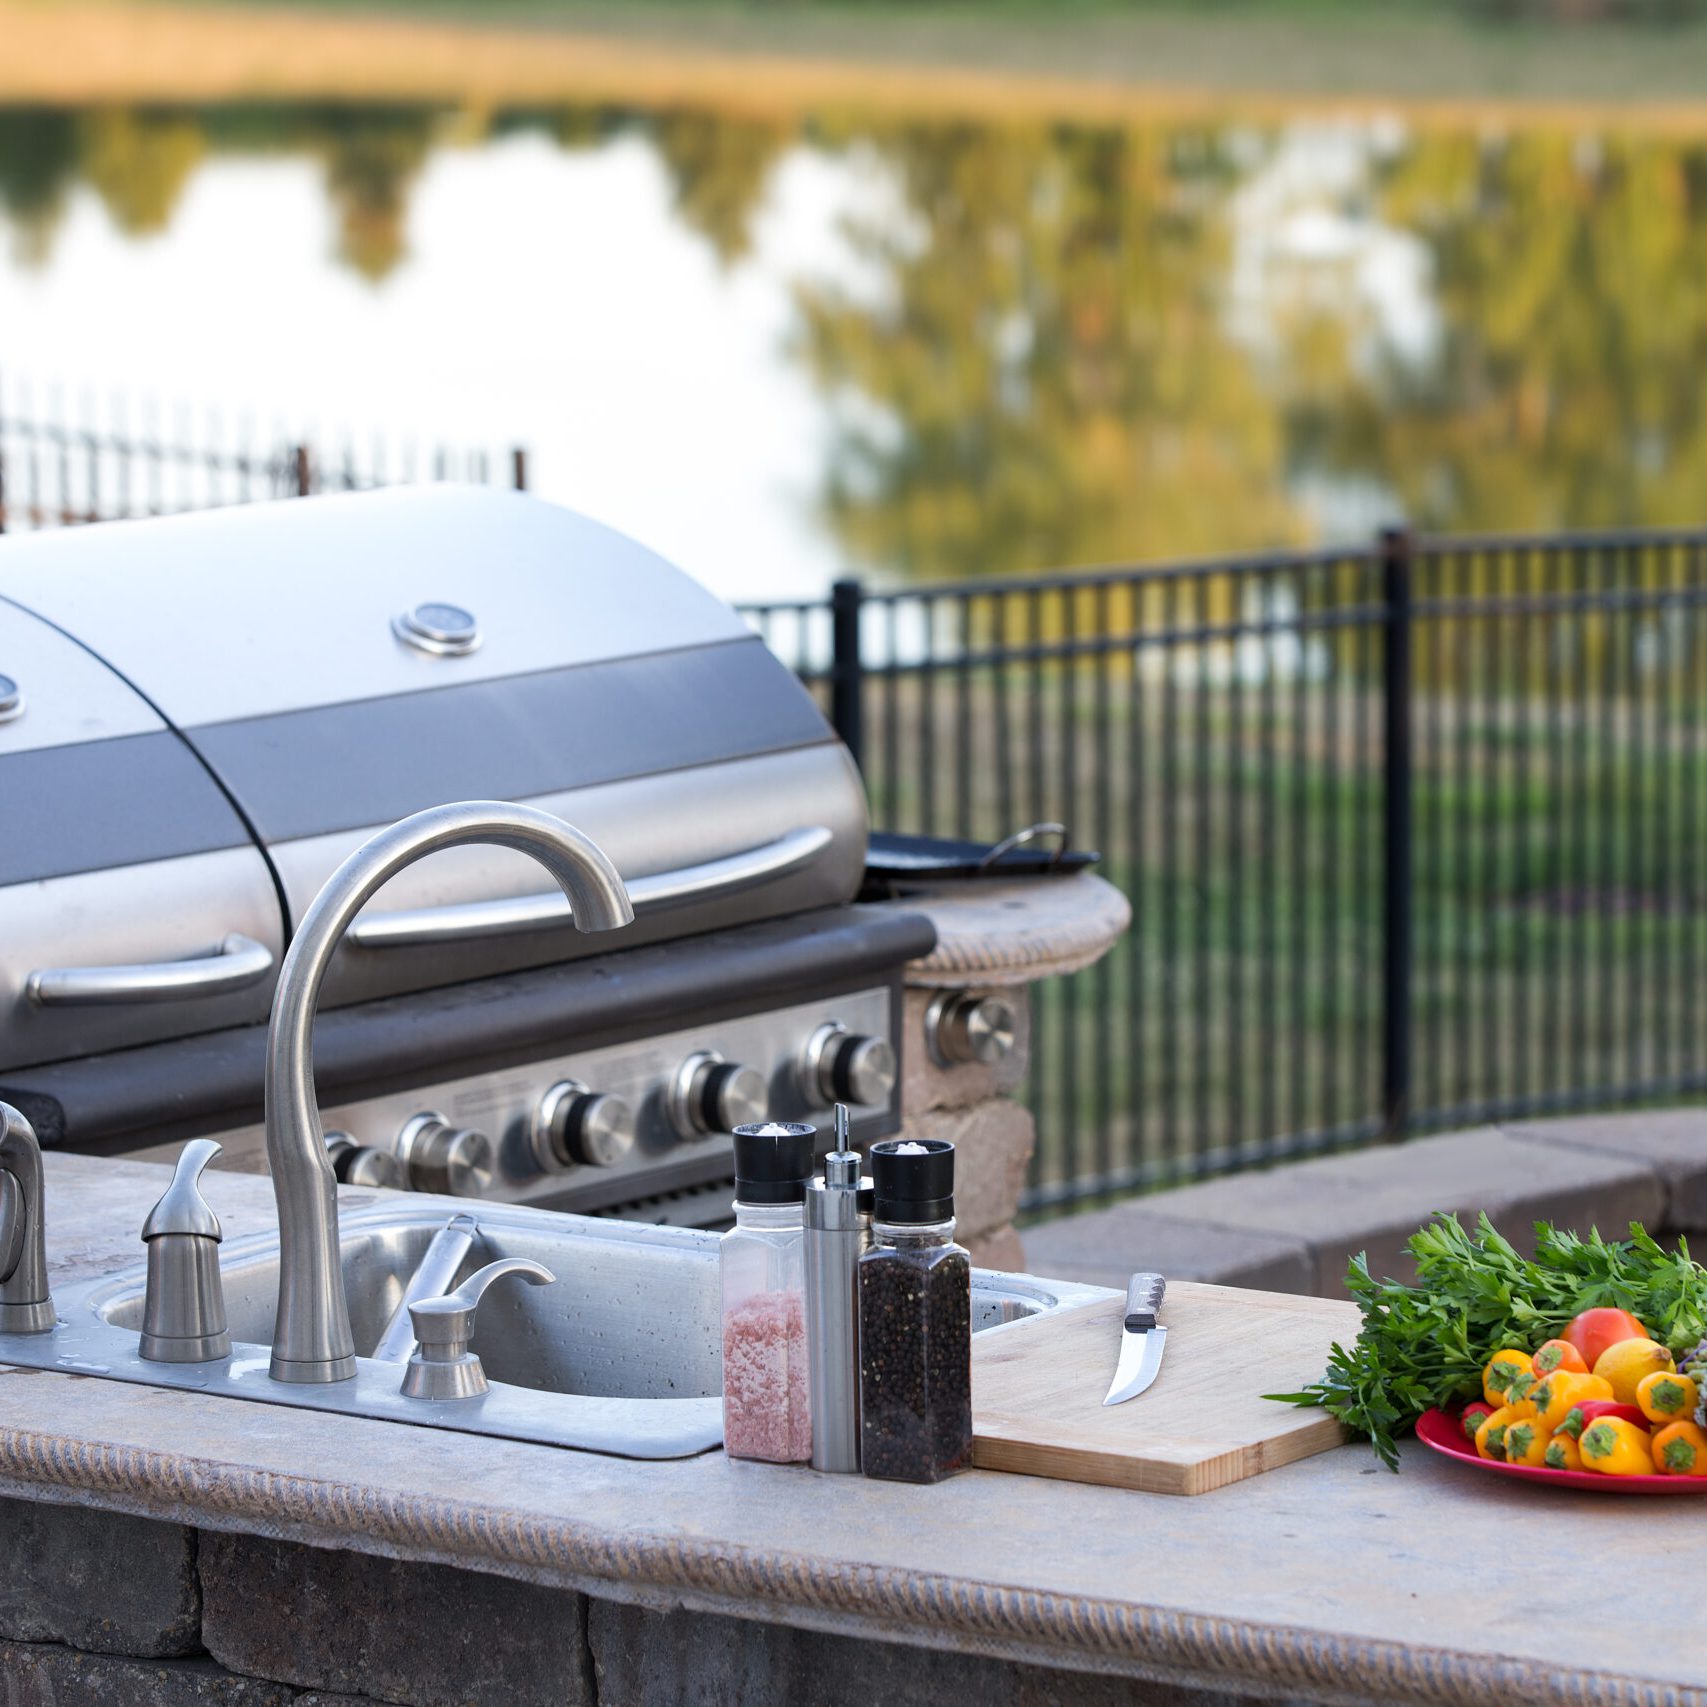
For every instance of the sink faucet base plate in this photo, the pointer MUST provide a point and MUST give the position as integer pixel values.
(84, 1344)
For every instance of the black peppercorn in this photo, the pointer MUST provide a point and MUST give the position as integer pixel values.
(915, 1320)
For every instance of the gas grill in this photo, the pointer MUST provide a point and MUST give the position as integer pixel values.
(201, 716)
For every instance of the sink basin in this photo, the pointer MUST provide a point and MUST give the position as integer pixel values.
(620, 1355)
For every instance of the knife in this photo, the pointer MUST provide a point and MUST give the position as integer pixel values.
(1141, 1341)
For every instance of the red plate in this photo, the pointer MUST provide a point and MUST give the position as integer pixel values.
(1441, 1430)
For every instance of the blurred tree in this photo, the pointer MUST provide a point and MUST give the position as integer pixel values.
(720, 165)
(138, 163)
(570, 128)
(38, 163)
(1565, 392)
(1041, 372)
(373, 157)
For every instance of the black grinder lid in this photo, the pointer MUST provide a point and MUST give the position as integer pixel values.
(773, 1161)
(913, 1180)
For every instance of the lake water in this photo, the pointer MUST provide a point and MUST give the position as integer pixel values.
(778, 351)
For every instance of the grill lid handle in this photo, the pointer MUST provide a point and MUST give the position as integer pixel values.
(239, 962)
(464, 920)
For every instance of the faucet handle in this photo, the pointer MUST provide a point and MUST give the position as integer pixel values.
(443, 1367)
(183, 1303)
(182, 1208)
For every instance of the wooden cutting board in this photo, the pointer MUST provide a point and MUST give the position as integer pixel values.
(1037, 1390)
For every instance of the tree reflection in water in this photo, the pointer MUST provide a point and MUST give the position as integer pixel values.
(1039, 355)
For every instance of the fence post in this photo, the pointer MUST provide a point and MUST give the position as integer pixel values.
(519, 468)
(847, 668)
(1397, 897)
(304, 472)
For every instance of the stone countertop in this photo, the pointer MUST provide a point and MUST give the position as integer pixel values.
(1013, 931)
(1328, 1580)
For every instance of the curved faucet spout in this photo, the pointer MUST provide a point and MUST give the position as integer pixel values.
(312, 1340)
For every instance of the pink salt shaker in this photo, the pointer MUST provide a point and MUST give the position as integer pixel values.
(766, 1410)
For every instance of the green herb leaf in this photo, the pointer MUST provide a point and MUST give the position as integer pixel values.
(1426, 1345)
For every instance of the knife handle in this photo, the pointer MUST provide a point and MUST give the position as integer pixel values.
(1143, 1300)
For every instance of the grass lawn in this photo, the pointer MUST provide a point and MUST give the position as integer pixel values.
(1560, 923)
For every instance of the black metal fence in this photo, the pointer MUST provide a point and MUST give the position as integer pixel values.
(1411, 833)
(62, 465)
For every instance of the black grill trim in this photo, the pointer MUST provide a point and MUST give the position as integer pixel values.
(130, 1097)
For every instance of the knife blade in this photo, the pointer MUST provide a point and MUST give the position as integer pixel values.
(1142, 1341)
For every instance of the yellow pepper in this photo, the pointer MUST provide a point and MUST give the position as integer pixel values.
(1554, 1396)
(1490, 1437)
(1562, 1453)
(1616, 1448)
(1665, 1397)
(1525, 1441)
(1507, 1370)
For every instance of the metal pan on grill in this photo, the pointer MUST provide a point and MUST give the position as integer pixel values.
(894, 860)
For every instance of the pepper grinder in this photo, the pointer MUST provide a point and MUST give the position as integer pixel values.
(836, 1232)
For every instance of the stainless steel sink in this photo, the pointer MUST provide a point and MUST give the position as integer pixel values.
(620, 1355)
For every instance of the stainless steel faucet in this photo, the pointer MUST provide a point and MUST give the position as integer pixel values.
(442, 1367)
(183, 1304)
(312, 1339)
(26, 1307)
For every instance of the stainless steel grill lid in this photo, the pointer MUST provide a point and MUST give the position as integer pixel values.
(290, 677)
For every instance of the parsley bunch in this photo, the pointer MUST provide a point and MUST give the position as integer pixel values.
(1426, 1344)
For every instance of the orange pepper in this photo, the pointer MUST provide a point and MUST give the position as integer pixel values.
(1680, 1449)
(1665, 1398)
(1559, 1354)
(1616, 1448)
(1554, 1396)
(1507, 1370)
(1526, 1441)
(1562, 1453)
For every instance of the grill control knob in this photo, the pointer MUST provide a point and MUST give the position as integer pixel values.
(709, 1094)
(444, 1158)
(362, 1164)
(575, 1124)
(839, 1065)
(961, 1027)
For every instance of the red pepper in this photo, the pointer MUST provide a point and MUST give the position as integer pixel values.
(1579, 1416)
(1470, 1418)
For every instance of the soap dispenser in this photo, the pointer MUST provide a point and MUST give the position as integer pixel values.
(183, 1310)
